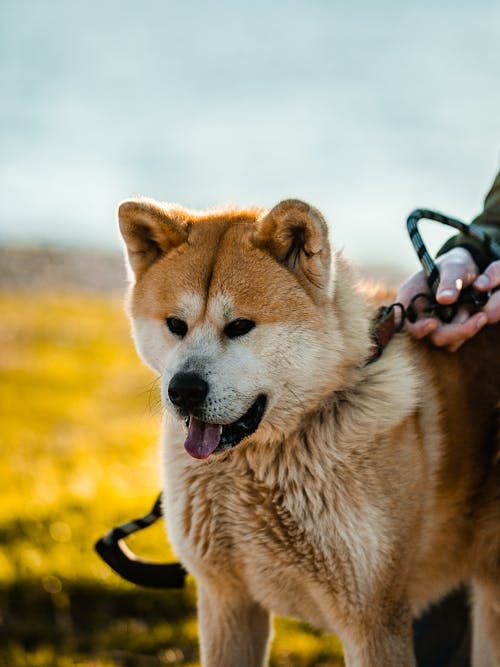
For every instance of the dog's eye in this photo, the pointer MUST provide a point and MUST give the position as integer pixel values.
(238, 327)
(177, 327)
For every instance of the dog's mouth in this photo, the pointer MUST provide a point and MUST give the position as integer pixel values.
(204, 438)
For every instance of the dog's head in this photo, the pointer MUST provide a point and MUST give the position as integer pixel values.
(236, 311)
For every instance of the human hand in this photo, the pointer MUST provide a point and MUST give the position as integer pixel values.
(457, 270)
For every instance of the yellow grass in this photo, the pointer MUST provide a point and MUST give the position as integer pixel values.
(79, 418)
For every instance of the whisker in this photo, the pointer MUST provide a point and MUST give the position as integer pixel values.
(154, 402)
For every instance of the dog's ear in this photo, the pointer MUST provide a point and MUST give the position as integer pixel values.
(149, 230)
(296, 235)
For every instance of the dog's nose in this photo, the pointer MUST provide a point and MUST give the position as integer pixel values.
(187, 390)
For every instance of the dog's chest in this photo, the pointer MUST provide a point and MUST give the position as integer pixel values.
(291, 549)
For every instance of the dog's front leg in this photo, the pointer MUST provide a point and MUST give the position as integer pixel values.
(234, 630)
(387, 642)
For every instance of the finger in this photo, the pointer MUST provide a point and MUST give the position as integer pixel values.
(490, 278)
(451, 333)
(414, 285)
(492, 308)
(421, 328)
(458, 271)
(461, 329)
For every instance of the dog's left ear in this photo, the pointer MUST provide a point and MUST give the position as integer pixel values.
(296, 235)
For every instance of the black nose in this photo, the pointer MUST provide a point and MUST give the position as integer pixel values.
(187, 390)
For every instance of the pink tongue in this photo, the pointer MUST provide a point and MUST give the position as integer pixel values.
(202, 438)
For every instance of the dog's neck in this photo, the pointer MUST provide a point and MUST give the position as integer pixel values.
(353, 313)
(363, 401)
(345, 425)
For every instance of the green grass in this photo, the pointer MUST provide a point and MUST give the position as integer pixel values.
(79, 417)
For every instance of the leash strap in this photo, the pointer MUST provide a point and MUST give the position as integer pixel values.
(113, 550)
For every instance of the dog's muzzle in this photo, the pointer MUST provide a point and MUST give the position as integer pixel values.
(205, 438)
(188, 391)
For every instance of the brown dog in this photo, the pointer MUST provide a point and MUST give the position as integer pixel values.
(299, 478)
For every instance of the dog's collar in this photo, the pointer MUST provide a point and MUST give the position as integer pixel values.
(384, 327)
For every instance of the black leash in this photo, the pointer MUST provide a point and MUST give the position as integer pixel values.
(124, 562)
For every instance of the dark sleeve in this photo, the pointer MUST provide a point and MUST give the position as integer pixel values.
(488, 221)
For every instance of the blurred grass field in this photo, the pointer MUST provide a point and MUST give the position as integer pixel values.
(79, 417)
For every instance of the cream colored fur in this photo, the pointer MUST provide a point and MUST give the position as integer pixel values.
(365, 494)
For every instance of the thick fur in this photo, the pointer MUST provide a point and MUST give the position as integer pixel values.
(367, 491)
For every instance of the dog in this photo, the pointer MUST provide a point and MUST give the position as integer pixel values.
(300, 479)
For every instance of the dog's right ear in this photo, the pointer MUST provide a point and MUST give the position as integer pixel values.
(149, 230)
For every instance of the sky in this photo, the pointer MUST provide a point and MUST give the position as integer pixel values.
(365, 110)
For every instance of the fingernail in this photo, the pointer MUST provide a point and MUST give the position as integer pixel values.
(482, 281)
(447, 293)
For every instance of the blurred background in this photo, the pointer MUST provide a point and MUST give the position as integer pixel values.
(366, 110)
